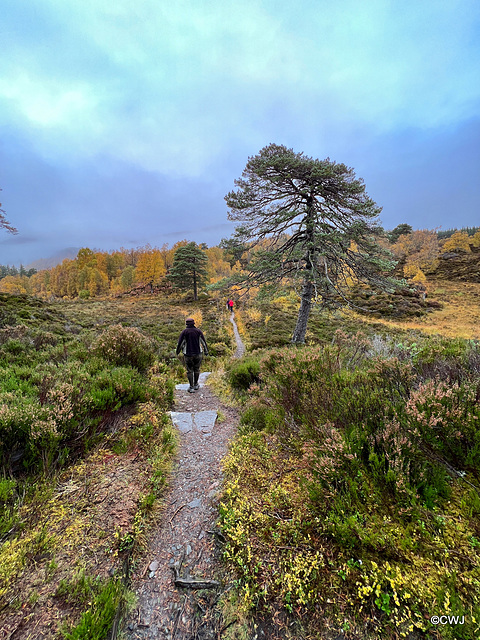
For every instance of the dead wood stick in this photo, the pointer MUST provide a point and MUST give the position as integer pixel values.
(179, 613)
(196, 584)
(219, 534)
(225, 627)
(179, 508)
(145, 570)
(193, 584)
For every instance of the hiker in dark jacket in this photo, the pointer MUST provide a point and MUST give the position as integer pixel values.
(193, 345)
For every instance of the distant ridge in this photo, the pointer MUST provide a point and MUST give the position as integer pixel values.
(47, 263)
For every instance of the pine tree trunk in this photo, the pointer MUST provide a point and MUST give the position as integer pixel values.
(195, 297)
(303, 313)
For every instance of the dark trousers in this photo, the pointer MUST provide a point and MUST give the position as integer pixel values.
(193, 368)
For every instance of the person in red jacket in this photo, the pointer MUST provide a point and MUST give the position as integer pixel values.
(230, 305)
(193, 345)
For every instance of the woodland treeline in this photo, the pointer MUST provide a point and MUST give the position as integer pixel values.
(101, 273)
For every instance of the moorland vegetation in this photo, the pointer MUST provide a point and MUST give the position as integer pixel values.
(86, 447)
(355, 470)
(352, 495)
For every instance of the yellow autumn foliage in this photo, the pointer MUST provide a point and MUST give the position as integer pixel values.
(459, 241)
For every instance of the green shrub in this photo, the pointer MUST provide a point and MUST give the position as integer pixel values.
(112, 388)
(244, 373)
(7, 489)
(27, 430)
(219, 349)
(161, 386)
(103, 599)
(358, 461)
(375, 417)
(14, 380)
(439, 348)
(125, 346)
(14, 346)
(8, 515)
(58, 409)
(255, 417)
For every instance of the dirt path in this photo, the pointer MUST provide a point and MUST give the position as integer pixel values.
(186, 536)
(240, 346)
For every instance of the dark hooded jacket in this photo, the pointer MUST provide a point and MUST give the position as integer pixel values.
(192, 342)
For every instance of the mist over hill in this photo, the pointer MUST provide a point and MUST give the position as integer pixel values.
(57, 258)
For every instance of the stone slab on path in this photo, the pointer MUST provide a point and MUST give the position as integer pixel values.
(182, 420)
(202, 421)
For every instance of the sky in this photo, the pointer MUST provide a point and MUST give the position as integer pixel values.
(125, 123)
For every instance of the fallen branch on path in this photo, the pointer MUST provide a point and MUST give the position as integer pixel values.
(224, 628)
(193, 584)
(179, 508)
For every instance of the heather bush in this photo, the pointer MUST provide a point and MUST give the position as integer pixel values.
(312, 386)
(51, 413)
(445, 419)
(219, 349)
(376, 419)
(43, 338)
(15, 332)
(125, 346)
(27, 430)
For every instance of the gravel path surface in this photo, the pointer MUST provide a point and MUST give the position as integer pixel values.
(186, 538)
(240, 346)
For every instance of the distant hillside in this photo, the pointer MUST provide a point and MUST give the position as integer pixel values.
(52, 261)
(458, 265)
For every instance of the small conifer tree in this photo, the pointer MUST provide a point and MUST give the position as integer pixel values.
(188, 271)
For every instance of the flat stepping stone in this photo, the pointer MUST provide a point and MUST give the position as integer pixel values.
(202, 421)
(205, 421)
(201, 380)
(182, 420)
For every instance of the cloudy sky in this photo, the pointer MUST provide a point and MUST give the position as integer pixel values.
(126, 122)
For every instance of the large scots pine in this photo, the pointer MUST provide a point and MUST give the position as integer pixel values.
(310, 222)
